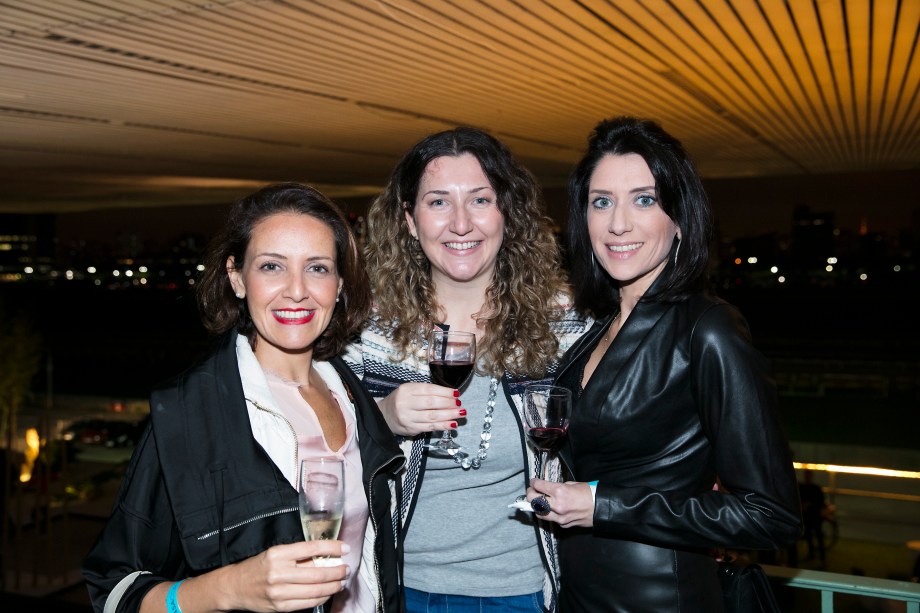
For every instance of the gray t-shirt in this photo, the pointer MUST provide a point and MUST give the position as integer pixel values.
(462, 537)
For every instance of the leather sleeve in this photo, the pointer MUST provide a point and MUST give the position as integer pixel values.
(757, 506)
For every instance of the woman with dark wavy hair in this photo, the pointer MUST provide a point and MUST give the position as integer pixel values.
(459, 240)
(207, 518)
(671, 396)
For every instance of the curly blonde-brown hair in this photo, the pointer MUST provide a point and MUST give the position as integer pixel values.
(522, 299)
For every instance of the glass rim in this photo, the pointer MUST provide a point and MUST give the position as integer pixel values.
(449, 332)
(545, 387)
(323, 459)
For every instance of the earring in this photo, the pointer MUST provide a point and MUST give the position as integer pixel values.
(676, 251)
(336, 298)
(239, 295)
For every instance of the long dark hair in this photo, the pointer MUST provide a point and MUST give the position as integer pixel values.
(680, 194)
(222, 311)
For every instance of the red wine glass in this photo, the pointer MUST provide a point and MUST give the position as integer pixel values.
(451, 356)
(546, 420)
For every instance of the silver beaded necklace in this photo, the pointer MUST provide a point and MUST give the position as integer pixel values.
(467, 462)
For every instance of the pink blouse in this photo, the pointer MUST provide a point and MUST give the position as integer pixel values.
(357, 597)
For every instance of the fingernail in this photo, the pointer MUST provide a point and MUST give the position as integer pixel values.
(462, 412)
(453, 425)
(456, 393)
(345, 548)
(458, 402)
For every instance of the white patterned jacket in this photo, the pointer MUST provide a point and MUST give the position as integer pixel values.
(374, 360)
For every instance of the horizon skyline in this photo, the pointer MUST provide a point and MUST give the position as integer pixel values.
(883, 202)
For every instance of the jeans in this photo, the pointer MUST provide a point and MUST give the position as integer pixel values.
(426, 602)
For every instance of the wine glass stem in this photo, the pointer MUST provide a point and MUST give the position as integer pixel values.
(446, 438)
(544, 459)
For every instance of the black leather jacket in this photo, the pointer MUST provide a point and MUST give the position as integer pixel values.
(201, 493)
(680, 399)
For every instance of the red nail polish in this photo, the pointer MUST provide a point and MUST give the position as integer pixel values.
(457, 401)
(462, 412)
(453, 425)
(456, 393)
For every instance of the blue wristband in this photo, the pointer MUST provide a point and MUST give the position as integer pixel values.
(172, 605)
(593, 486)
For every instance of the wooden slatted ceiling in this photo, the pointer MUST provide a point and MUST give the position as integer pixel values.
(335, 90)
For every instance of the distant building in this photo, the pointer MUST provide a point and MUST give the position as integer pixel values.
(27, 244)
(812, 238)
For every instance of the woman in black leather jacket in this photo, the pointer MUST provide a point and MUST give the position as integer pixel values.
(672, 398)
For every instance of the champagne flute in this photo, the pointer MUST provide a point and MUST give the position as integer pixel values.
(546, 424)
(451, 356)
(321, 493)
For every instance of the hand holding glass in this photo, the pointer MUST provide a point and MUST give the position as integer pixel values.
(546, 420)
(451, 356)
(546, 424)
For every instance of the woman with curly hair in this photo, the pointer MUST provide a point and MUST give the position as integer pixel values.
(459, 241)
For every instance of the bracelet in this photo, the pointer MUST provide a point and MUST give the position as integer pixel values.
(593, 486)
(172, 605)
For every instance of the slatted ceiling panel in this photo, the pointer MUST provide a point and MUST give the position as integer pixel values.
(904, 81)
(795, 71)
(610, 66)
(858, 23)
(334, 88)
(816, 71)
(898, 57)
(779, 76)
(722, 35)
(883, 25)
(690, 56)
(833, 27)
(631, 63)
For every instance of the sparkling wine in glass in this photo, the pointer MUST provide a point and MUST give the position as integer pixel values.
(321, 493)
(546, 420)
(451, 356)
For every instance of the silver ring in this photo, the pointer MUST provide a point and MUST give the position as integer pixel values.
(540, 506)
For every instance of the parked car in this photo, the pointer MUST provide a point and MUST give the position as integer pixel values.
(105, 432)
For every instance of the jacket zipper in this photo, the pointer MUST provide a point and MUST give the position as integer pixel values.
(247, 521)
(290, 427)
(272, 513)
(373, 519)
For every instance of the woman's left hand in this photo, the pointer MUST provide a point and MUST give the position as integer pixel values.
(571, 503)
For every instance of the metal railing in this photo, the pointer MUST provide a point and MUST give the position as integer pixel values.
(829, 584)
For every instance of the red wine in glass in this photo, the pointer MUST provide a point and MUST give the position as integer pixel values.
(547, 439)
(546, 419)
(451, 356)
(449, 373)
